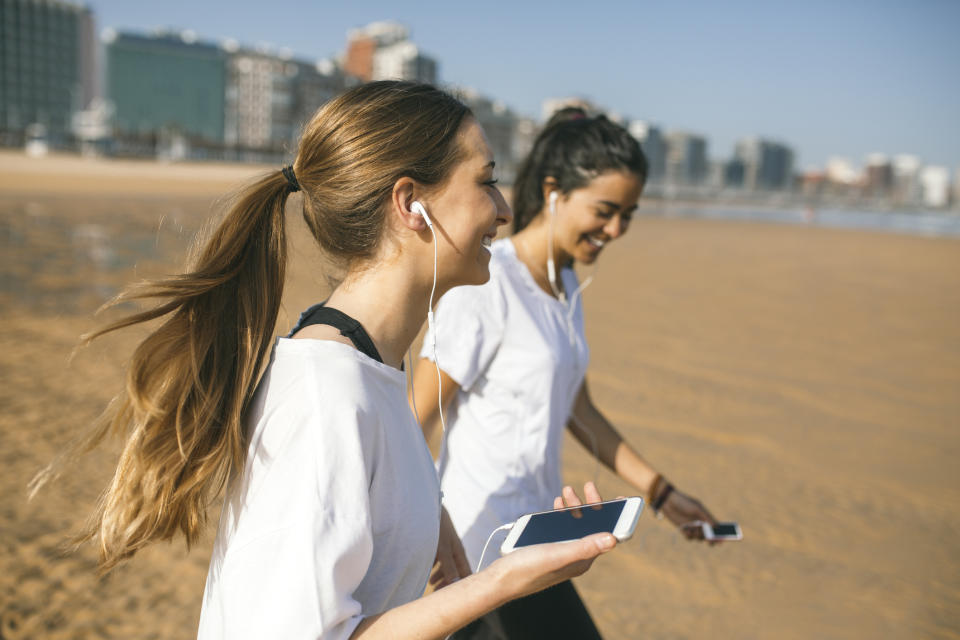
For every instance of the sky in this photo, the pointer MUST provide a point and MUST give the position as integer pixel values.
(841, 78)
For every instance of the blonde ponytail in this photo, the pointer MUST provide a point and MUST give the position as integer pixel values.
(191, 379)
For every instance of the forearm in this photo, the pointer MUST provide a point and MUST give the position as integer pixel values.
(602, 439)
(438, 614)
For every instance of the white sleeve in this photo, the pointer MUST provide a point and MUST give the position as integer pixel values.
(296, 578)
(468, 324)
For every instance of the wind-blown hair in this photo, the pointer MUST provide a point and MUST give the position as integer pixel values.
(573, 149)
(191, 380)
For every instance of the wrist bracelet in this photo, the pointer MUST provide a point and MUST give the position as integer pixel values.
(658, 503)
(654, 486)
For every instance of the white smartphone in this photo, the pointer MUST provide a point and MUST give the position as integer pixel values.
(618, 517)
(722, 531)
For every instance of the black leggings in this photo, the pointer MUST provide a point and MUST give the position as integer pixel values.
(557, 612)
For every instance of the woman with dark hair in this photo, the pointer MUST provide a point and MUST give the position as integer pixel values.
(513, 358)
(331, 514)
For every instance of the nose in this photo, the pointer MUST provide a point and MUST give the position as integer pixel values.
(504, 212)
(616, 227)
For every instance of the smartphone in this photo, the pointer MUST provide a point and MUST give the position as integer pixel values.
(618, 517)
(722, 531)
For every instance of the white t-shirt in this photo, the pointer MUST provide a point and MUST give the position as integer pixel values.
(519, 356)
(337, 512)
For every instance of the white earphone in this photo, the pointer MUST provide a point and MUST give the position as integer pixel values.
(419, 209)
(551, 267)
(416, 207)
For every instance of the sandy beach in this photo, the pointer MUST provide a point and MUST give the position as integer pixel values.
(802, 381)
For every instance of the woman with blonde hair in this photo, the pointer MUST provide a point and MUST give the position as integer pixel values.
(331, 515)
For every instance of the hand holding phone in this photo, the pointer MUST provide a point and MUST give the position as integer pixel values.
(536, 567)
(722, 531)
(618, 517)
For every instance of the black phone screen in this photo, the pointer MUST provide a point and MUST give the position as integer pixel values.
(725, 530)
(557, 526)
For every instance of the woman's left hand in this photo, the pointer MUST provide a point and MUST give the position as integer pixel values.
(451, 562)
(686, 512)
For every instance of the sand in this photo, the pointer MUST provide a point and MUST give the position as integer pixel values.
(803, 381)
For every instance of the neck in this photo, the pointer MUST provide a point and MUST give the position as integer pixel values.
(389, 303)
(532, 250)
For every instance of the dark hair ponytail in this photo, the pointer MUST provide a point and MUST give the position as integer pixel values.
(573, 149)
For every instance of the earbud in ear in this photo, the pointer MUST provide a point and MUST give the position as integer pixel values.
(553, 201)
(416, 207)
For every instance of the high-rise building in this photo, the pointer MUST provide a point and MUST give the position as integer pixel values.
(654, 148)
(499, 125)
(166, 84)
(935, 182)
(383, 51)
(315, 85)
(767, 165)
(269, 98)
(404, 61)
(525, 131)
(686, 162)
(840, 171)
(956, 189)
(47, 66)
(906, 179)
(878, 176)
(258, 100)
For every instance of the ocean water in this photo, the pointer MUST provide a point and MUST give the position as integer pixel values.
(920, 223)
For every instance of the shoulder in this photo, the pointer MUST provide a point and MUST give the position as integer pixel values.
(324, 380)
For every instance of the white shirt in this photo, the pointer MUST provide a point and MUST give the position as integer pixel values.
(337, 512)
(519, 356)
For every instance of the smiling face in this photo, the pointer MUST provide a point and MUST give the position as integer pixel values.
(467, 211)
(591, 217)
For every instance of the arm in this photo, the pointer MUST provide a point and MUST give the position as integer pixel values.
(451, 561)
(520, 573)
(424, 391)
(613, 451)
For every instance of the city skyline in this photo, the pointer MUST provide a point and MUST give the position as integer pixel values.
(830, 81)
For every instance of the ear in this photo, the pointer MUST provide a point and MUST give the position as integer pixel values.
(402, 197)
(548, 185)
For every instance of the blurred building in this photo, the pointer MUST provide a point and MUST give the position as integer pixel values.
(258, 100)
(47, 67)
(767, 165)
(315, 85)
(166, 86)
(383, 51)
(686, 161)
(906, 179)
(269, 98)
(499, 125)
(935, 185)
(654, 148)
(878, 176)
(956, 189)
(840, 170)
(525, 131)
(734, 173)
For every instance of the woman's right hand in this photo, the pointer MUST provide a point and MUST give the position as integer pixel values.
(537, 567)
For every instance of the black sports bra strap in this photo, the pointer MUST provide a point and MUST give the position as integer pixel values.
(350, 328)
